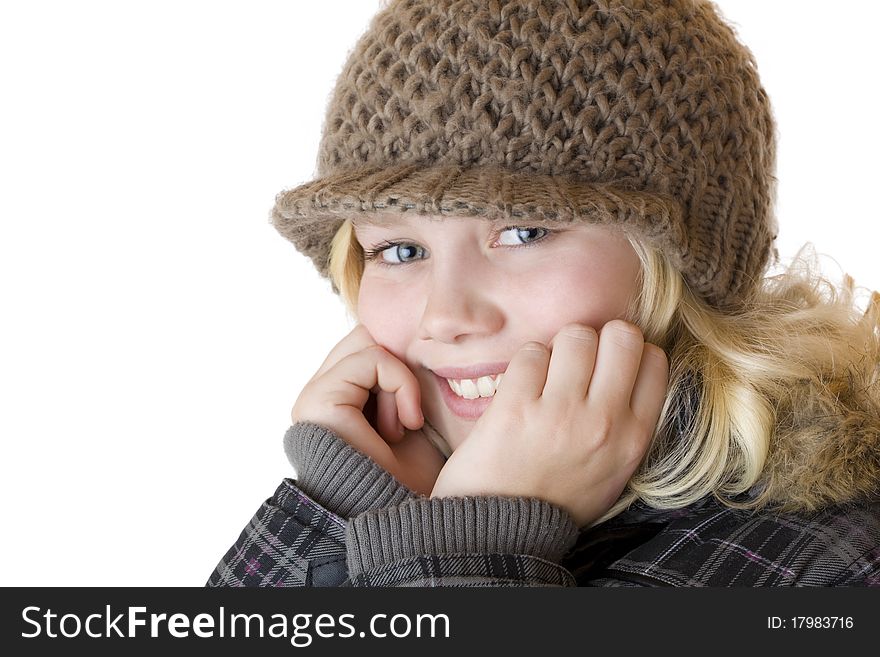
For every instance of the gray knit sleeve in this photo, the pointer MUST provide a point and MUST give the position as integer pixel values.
(337, 476)
(437, 527)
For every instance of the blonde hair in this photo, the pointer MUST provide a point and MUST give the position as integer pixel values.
(765, 379)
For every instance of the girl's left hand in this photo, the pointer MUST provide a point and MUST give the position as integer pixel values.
(569, 423)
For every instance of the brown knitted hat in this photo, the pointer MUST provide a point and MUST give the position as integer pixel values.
(648, 115)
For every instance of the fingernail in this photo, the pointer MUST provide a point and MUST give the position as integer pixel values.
(400, 428)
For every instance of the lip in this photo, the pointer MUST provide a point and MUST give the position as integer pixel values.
(467, 409)
(473, 372)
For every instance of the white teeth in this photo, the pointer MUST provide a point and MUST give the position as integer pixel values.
(485, 386)
(469, 389)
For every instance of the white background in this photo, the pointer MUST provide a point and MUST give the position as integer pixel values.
(156, 330)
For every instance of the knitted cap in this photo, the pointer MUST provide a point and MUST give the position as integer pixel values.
(644, 114)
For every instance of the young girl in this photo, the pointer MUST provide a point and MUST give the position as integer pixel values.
(553, 222)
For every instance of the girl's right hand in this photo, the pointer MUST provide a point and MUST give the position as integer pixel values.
(336, 396)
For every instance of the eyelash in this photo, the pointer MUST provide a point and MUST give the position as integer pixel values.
(375, 254)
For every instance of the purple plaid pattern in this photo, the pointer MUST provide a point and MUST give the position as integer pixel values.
(713, 545)
(468, 570)
(293, 541)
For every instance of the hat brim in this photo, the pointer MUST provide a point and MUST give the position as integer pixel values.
(310, 215)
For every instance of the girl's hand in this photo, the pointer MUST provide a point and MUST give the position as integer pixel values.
(569, 424)
(358, 371)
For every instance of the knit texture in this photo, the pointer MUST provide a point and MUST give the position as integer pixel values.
(336, 475)
(380, 509)
(458, 525)
(645, 115)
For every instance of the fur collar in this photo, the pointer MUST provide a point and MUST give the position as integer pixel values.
(826, 449)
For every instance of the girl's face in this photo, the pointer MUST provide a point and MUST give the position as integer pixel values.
(467, 293)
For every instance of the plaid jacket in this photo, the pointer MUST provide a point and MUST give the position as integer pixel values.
(294, 541)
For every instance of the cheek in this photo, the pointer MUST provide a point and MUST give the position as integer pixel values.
(389, 312)
(591, 294)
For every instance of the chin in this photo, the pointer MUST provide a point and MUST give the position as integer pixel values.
(457, 432)
(448, 428)
(446, 433)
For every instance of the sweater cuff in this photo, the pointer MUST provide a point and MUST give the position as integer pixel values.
(337, 476)
(449, 525)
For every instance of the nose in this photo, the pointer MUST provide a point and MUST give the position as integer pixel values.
(462, 301)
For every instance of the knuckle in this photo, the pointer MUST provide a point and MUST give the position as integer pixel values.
(655, 353)
(602, 425)
(624, 333)
(580, 332)
(361, 330)
(635, 452)
(534, 346)
(377, 350)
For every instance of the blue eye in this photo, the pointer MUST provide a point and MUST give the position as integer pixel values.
(392, 253)
(522, 234)
(395, 254)
(400, 253)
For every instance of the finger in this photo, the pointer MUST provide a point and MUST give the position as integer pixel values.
(358, 338)
(375, 367)
(650, 390)
(617, 365)
(573, 355)
(387, 421)
(526, 373)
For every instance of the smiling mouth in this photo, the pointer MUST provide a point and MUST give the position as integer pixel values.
(484, 386)
(470, 404)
